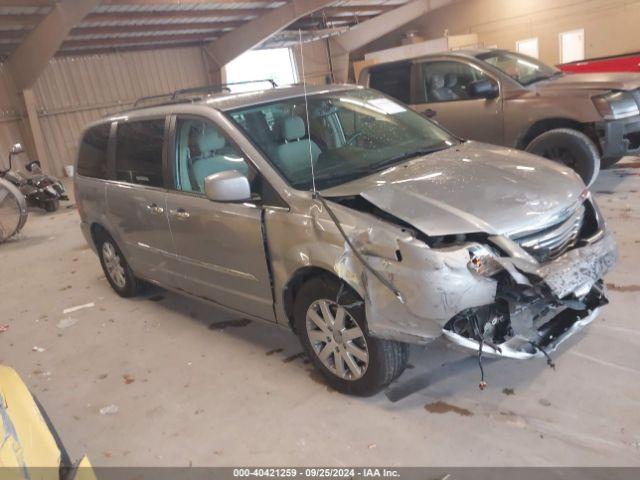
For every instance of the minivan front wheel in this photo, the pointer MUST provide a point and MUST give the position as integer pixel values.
(331, 324)
(116, 268)
(571, 148)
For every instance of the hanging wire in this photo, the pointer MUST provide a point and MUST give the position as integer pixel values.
(306, 107)
(386, 282)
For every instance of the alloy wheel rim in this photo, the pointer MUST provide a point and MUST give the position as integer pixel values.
(337, 340)
(113, 263)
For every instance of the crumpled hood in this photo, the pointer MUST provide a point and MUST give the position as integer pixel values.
(592, 81)
(471, 188)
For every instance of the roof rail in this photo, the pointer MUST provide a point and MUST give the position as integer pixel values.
(179, 95)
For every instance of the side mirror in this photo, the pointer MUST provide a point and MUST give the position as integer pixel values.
(227, 186)
(483, 89)
(17, 149)
(35, 164)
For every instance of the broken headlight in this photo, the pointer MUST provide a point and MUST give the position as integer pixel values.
(483, 261)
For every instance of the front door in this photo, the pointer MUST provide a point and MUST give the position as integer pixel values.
(219, 246)
(136, 200)
(442, 93)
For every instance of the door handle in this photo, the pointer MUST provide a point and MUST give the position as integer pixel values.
(155, 209)
(181, 213)
(430, 113)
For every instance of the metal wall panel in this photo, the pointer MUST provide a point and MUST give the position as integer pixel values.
(74, 91)
(9, 121)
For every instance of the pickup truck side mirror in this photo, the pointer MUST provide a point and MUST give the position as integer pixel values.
(483, 89)
(227, 186)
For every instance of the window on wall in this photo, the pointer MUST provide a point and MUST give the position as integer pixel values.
(571, 46)
(277, 64)
(528, 46)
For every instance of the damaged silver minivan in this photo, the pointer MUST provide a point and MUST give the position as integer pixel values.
(347, 217)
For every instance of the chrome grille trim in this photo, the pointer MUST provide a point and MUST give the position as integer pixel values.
(551, 242)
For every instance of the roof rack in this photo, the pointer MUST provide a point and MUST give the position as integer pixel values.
(188, 94)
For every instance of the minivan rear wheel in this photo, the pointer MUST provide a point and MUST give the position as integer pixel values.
(116, 268)
(331, 324)
(571, 148)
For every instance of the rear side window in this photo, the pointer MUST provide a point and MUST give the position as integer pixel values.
(92, 157)
(394, 80)
(139, 152)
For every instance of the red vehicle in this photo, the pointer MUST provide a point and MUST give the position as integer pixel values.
(628, 62)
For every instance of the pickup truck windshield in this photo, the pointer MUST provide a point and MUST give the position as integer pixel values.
(345, 135)
(523, 69)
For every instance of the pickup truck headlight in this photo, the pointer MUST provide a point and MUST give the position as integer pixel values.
(616, 105)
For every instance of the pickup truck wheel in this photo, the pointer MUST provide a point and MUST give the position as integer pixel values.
(571, 148)
(330, 322)
(116, 268)
(609, 162)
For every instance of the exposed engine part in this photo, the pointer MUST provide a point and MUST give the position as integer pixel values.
(518, 326)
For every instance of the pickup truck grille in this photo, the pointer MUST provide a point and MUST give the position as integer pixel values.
(551, 242)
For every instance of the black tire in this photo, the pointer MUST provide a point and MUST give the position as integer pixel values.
(609, 162)
(386, 359)
(571, 148)
(52, 205)
(130, 287)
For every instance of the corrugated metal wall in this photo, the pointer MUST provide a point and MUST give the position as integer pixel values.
(74, 91)
(9, 121)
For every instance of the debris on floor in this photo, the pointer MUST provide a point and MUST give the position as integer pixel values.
(128, 379)
(275, 350)
(66, 322)
(38, 349)
(109, 410)
(242, 322)
(291, 358)
(444, 407)
(78, 307)
(4, 328)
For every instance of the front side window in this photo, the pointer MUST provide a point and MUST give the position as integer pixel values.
(92, 156)
(393, 80)
(523, 69)
(350, 134)
(448, 81)
(139, 152)
(202, 149)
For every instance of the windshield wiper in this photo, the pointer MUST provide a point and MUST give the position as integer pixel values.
(406, 156)
(334, 180)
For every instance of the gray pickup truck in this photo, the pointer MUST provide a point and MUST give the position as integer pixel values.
(504, 98)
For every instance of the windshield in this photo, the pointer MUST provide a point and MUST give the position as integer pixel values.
(524, 70)
(352, 134)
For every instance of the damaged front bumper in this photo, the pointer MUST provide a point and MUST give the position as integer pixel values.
(542, 342)
(538, 307)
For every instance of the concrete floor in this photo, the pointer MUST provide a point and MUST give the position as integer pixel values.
(187, 393)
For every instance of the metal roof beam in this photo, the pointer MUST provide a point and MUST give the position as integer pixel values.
(132, 40)
(238, 41)
(31, 57)
(366, 32)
